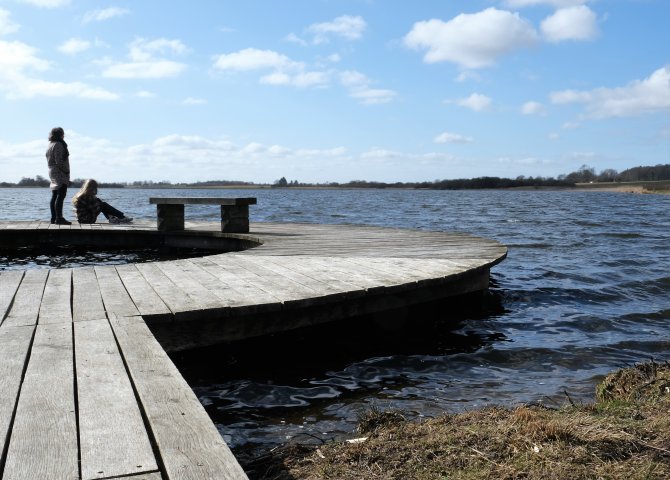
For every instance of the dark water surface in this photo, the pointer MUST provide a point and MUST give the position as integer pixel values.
(585, 289)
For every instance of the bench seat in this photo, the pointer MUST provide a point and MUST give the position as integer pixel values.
(234, 212)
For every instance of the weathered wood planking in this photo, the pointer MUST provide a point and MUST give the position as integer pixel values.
(175, 298)
(43, 443)
(244, 294)
(147, 301)
(145, 476)
(55, 306)
(28, 299)
(9, 283)
(114, 295)
(86, 297)
(113, 440)
(190, 445)
(198, 294)
(14, 348)
(274, 285)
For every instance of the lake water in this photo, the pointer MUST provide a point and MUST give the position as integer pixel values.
(585, 290)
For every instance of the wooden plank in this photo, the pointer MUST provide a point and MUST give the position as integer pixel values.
(190, 445)
(272, 283)
(145, 476)
(28, 298)
(147, 301)
(306, 273)
(86, 297)
(202, 200)
(114, 295)
(174, 297)
(14, 349)
(198, 294)
(326, 268)
(9, 284)
(44, 438)
(113, 440)
(244, 294)
(55, 306)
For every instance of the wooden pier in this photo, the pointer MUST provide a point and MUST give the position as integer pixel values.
(88, 390)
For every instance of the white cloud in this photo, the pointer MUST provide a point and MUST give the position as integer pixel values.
(46, 3)
(293, 38)
(468, 75)
(142, 50)
(448, 137)
(646, 96)
(253, 59)
(373, 96)
(17, 56)
(145, 94)
(381, 153)
(153, 69)
(285, 72)
(472, 40)
(476, 102)
(18, 65)
(74, 46)
(7, 26)
(300, 80)
(346, 26)
(194, 101)
(311, 152)
(571, 125)
(533, 108)
(359, 88)
(572, 23)
(33, 88)
(144, 62)
(552, 3)
(104, 14)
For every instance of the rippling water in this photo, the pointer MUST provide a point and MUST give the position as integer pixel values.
(585, 289)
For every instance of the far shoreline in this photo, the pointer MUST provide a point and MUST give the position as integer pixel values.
(641, 187)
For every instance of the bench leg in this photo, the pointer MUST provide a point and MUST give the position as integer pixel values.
(170, 217)
(235, 218)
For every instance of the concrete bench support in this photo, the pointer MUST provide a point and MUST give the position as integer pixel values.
(234, 212)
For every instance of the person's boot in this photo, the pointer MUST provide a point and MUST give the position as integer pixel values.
(62, 221)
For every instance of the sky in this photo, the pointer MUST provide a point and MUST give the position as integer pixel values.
(334, 90)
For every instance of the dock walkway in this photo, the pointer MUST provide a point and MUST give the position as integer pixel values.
(88, 390)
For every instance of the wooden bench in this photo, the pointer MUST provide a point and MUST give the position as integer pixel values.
(234, 212)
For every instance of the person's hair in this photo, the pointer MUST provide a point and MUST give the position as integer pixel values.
(88, 188)
(57, 133)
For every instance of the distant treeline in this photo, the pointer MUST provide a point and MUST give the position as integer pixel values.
(40, 181)
(584, 174)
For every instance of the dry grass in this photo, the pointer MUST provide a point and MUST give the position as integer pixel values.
(624, 435)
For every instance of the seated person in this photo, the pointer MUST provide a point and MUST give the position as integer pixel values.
(88, 206)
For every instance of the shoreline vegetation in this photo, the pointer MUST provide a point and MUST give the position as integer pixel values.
(625, 433)
(654, 179)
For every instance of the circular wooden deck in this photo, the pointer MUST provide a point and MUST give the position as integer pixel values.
(88, 392)
(297, 275)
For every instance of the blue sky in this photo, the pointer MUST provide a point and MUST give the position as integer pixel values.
(334, 90)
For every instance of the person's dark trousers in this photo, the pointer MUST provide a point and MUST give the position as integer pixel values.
(109, 211)
(56, 205)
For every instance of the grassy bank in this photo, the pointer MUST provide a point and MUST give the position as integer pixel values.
(661, 186)
(625, 434)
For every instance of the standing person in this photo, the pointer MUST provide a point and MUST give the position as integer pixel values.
(58, 159)
(88, 206)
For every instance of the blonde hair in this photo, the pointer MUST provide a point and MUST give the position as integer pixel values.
(88, 188)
